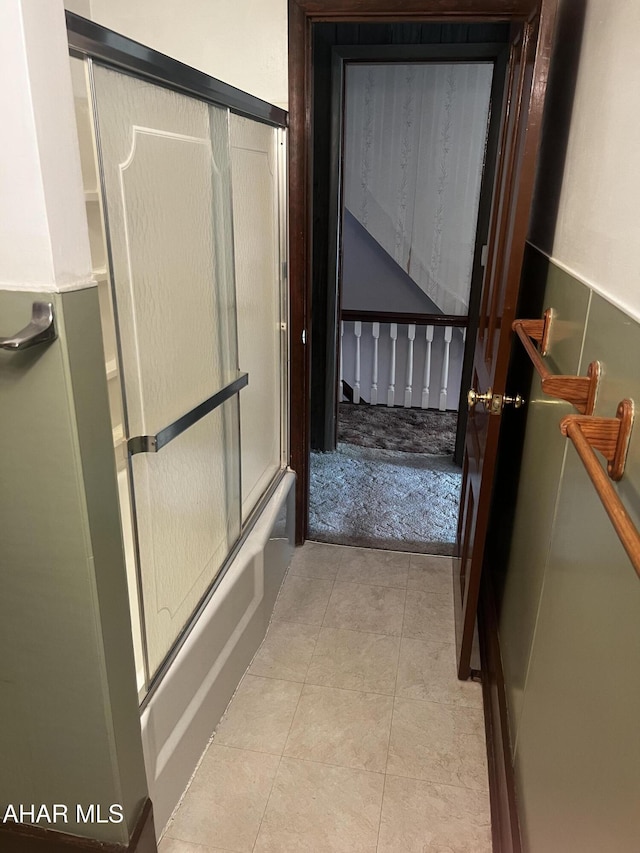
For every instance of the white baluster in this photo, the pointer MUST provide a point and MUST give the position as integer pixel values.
(448, 333)
(375, 333)
(427, 369)
(391, 393)
(408, 391)
(341, 372)
(357, 331)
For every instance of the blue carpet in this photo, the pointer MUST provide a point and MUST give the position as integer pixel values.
(376, 498)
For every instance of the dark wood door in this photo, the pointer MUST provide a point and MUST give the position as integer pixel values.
(513, 189)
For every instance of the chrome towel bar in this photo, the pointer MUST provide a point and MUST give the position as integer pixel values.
(41, 329)
(154, 443)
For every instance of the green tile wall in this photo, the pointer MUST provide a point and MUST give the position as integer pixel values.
(69, 723)
(570, 621)
(542, 461)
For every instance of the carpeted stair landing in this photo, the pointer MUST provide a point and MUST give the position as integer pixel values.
(411, 430)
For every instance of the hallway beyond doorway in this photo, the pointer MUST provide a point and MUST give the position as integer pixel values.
(410, 430)
(391, 483)
(384, 499)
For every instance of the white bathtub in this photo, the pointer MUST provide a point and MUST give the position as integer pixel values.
(183, 712)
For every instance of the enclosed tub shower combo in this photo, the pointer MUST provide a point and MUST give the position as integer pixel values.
(185, 196)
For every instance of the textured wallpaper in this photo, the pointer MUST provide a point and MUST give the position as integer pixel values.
(414, 147)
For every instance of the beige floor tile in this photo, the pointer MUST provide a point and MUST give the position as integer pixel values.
(343, 727)
(226, 800)
(420, 817)
(377, 568)
(438, 743)
(427, 670)
(428, 616)
(317, 560)
(173, 845)
(319, 809)
(431, 574)
(355, 660)
(303, 600)
(259, 715)
(377, 609)
(286, 651)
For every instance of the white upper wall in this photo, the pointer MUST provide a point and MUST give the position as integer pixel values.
(597, 229)
(44, 243)
(242, 42)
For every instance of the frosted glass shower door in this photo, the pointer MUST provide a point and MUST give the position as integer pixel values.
(166, 182)
(257, 167)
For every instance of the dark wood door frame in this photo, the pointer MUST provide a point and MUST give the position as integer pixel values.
(496, 53)
(302, 15)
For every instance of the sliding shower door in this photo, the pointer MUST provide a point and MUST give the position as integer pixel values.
(259, 201)
(165, 163)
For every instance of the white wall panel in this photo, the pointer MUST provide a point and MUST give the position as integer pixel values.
(43, 233)
(596, 234)
(243, 42)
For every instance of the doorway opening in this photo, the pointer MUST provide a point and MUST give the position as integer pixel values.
(530, 25)
(405, 130)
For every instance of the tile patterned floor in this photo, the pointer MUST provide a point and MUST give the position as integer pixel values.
(350, 732)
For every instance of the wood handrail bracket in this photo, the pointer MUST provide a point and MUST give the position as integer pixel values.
(609, 436)
(580, 391)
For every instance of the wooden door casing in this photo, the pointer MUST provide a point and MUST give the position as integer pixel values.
(302, 15)
(533, 23)
(524, 96)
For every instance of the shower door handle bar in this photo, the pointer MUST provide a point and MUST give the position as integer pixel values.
(154, 443)
(41, 329)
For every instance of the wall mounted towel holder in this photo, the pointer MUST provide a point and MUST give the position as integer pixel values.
(580, 391)
(41, 329)
(154, 443)
(609, 436)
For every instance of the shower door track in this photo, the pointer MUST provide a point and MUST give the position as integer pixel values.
(88, 39)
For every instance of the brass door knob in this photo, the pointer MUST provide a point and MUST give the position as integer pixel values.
(474, 397)
(493, 403)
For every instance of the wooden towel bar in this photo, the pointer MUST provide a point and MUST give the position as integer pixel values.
(609, 436)
(580, 391)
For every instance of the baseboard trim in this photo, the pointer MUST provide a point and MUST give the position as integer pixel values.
(26, 838)
(505, 827)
